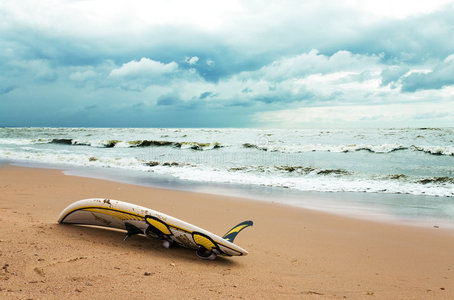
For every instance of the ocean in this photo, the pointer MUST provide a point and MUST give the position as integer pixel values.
(408, 170)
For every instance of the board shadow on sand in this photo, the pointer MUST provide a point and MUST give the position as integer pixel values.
(114, 237)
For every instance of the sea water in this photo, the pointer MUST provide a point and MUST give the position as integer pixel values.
(415, 163)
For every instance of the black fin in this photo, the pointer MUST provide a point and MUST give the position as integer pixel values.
(203, 253)
(132, 230)
(232, 233)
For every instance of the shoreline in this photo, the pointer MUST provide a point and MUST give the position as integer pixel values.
(399, 209)
(293, 252)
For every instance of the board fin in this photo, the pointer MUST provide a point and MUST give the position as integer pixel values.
(232, 233)
(132, 230)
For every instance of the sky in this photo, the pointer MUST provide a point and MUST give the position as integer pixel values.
(266, 64)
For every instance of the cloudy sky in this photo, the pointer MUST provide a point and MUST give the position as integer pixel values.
(288, 63)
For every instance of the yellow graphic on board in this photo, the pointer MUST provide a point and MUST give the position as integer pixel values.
(203, 241)
(158, 224)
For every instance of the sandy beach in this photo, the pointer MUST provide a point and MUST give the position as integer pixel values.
(293, 253)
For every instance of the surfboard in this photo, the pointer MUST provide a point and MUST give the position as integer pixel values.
(137, 219)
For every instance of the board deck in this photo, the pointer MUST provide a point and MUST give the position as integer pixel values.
(141, 220)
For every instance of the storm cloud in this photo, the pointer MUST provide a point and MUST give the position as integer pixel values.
(224, 64)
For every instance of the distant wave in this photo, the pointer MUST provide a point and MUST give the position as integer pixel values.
(194, 145)
(115, 143)
(386, 148)
(435, 150)
(140, 143)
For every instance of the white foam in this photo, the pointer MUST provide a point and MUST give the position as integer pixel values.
(310, 182)
(73, 159)
(10, 141)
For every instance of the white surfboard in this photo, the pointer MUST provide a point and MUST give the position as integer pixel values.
(141, 220)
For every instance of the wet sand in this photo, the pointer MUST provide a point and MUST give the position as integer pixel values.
(293, 253)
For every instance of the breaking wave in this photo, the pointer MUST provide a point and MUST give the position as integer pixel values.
(291, 170)
(446, 150)
(386, 148)
(115, 143)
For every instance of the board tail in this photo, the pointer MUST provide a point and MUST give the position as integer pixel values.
(232, 233)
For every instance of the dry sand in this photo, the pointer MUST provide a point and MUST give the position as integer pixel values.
(293, 253)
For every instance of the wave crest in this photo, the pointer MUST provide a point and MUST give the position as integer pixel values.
(115, 143)
(293, 170)
(379, 149)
